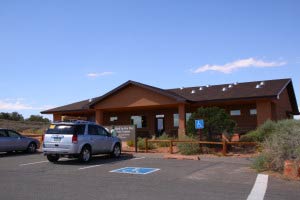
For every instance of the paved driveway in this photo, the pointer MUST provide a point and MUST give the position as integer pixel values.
(33, 177)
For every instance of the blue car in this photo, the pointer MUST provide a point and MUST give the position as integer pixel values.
(13, 141)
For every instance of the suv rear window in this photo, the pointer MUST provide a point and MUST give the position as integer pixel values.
(66, 129)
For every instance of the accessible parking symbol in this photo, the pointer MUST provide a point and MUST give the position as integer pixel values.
(135, 170)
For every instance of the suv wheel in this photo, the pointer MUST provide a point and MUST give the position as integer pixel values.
(116, 151)
(85, 154)
(53, 158)
(31, 148)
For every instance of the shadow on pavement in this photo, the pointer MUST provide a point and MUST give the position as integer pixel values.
(17, 153)
(96, 160)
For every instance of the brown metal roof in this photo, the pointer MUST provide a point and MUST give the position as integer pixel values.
(77, 106)
(268, 88)
(248, 90)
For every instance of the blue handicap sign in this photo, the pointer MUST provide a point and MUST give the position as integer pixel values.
(199, 124)
(135, 170)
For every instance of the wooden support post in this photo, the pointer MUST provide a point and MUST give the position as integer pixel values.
(146, 145)
(224, 150)
(171, 147)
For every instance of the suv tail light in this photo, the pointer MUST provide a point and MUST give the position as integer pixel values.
(74, 138)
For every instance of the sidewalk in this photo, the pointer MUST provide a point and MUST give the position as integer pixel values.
(203, 157)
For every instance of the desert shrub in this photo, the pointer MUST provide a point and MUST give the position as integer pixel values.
(38, 118)
(282, 144)
(261, 133)
(130, 143)
(188, 148)
(261, 163)
(142, 145)
(14, 116)
(164, 136)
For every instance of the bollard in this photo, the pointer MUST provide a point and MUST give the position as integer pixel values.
(171, 147)
(146, 145)
(224, 150)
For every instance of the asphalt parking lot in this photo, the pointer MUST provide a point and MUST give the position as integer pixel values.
(33, 177)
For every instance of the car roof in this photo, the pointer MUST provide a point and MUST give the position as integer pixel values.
(76, 122)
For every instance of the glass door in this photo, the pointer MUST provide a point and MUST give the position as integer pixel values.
(160, 125)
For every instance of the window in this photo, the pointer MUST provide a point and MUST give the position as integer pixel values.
(114, 118)
(176, 120)
(102, 131)
(139, 121)
(253, 111)
(66, 129)
(93, 130)
(187, 116)
(13, 134)
(2, 133)
(235, 112)
(79, 129)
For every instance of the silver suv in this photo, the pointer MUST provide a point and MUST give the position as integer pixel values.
(80, 139)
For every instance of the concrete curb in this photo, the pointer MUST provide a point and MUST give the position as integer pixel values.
(181, 157)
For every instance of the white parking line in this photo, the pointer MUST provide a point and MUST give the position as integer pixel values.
(34, 163)
(260, 187)
(89, 167)
(138, 158)
(45, 161)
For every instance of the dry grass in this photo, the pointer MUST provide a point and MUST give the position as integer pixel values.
(25, 126)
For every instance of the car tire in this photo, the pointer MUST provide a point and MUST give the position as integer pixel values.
(31, 148)
(53, 158)
(85, 154)
(116, 151)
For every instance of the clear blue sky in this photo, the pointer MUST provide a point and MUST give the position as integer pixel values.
(57, 52)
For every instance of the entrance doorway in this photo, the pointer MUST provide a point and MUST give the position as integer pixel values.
(159, 125)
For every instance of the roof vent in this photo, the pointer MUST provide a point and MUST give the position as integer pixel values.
(90, 100)
(258, 86)
(181, 88)
(224, 89)
(200, 88)
(193, 92)
(235, 83)
(230, 86)
(207, 86)
(262, 83)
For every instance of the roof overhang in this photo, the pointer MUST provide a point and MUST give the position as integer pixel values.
(162, 92)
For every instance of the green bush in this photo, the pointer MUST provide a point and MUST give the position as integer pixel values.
(261, 133)
(188, 148)
(164, 136)
(261, 163)
(216, 122)
(142, 145)
(130, 143)
(283, 143)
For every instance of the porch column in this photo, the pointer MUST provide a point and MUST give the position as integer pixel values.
(99, 117)
(182, 122)
(57, 117)
(264, 111)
